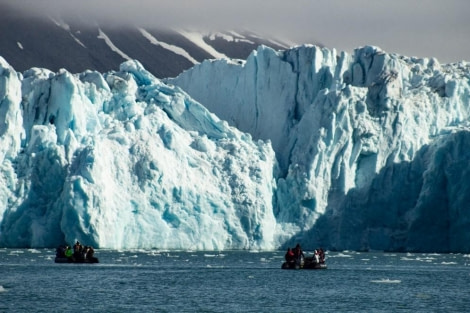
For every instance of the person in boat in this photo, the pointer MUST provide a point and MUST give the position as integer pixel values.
(78, 251)
(298, 254)
(83, 252)
(90, 253)
(77, 247)
(316, 256)
(289, 256)
(321, 254)
(68, 252)
(60, 251)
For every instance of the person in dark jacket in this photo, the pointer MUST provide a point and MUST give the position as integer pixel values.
(298, 254)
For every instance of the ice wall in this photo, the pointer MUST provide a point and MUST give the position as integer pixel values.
(363, 151)
(121, 160)
(371, 145)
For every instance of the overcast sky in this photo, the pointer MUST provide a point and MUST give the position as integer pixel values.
(425, 28)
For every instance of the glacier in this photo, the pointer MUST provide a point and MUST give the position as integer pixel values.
(363, 151)
(372, 146)
(123, 161)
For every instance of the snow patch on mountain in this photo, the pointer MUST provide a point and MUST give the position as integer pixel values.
(172, 48)
(198, 39)
(108, 41)
(68, 29)
(229, 36)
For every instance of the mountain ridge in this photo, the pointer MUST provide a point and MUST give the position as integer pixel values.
(33, 41)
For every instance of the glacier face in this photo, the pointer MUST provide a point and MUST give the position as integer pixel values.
(372, 147)
(362, 151)
(121, 160)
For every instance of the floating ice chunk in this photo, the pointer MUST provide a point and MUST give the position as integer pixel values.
(386, 281)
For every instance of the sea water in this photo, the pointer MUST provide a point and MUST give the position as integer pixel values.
(233, 281)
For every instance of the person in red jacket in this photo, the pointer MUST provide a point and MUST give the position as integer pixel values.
(289, 256)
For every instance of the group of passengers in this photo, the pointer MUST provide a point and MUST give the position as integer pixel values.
(296, 255)
(78, 253)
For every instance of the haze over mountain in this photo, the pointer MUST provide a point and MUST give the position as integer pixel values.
(431, 29)
(77, 44)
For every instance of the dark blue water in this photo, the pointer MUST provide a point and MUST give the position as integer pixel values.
(155, 281)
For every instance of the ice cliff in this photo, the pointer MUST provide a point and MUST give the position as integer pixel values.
(362, 151)
(121, 160)
(373, 147)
